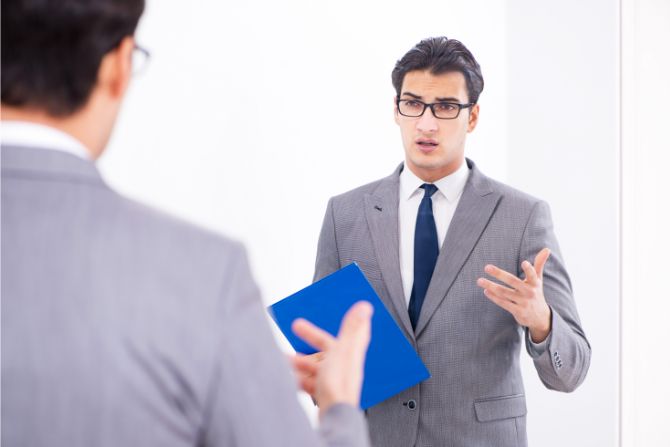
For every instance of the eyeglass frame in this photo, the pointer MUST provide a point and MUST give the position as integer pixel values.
(432, 107)
(145, 54)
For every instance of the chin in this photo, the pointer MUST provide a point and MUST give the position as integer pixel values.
(425, 162)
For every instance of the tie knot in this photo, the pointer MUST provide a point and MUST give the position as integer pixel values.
(430, 189)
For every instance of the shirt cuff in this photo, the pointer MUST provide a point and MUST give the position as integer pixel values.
(536, 349)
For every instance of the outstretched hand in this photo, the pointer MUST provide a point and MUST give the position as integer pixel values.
(335, 374)
(523, 298)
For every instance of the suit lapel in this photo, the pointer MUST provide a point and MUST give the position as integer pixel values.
(381, 212)
(477, 204)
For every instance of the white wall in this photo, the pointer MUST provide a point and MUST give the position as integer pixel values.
(245, 114)
(563, 147)
(251, 115)
(645, 223)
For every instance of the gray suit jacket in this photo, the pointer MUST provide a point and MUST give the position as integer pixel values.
(475, 396)
(124, 327)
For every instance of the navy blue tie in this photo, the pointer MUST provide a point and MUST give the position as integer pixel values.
(426, 249)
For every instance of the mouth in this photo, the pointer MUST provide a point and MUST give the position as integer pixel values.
(426, 145)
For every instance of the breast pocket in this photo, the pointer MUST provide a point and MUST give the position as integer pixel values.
(496, 408)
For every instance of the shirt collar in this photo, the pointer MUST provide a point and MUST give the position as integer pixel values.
(450, 186)
(32, 135)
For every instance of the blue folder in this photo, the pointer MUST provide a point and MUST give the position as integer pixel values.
(391, 365)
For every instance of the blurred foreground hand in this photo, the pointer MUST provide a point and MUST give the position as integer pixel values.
(335, 373)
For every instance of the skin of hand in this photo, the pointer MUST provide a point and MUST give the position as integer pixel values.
(305, 374)
(335, 374)
(523, 298)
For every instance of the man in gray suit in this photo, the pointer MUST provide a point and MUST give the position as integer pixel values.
(433, 238)
(122, 326)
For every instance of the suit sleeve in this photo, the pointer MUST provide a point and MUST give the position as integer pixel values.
(252, 399)
(564, 362)
(327, 255)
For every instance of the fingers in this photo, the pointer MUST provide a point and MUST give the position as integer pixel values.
(522, 297)
(337, 376)
(531, 274)
(541, 260)
(306, 368)
(496, 289)
(505, 277)
(304, 365)
(505, 303)
(315, 336)
(308, 384)
(355, 328)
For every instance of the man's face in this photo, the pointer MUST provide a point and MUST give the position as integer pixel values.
(434, 148)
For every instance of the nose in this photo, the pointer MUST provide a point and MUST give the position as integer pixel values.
(427, 122)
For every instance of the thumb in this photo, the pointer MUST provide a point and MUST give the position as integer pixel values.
(540, 261)
(355, 328)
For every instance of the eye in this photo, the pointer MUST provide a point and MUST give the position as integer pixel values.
(411, 104)
(446, 107)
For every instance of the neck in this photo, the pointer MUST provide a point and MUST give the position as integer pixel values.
(429, 175)
(74, 125)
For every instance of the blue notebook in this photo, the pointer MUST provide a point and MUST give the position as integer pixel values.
(391, 366)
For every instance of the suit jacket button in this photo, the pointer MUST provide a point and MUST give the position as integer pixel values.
(411, 404)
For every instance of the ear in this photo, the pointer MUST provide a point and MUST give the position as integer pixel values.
(116, 69)
(396, 115)
(473, 117)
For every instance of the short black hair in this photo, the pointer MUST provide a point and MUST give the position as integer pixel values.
(52, 49)
(440, 55)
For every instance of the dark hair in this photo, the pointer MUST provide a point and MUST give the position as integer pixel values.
(440, 55)
(52, 49)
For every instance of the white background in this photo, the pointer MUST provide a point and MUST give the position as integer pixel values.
(645, 222)
(250, 116)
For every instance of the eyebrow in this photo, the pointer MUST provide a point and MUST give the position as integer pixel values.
(448, 99)
(412, 95)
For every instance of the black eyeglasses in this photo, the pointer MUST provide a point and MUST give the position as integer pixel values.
(140, 59)
(414, 108)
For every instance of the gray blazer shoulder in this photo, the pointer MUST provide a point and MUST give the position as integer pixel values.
(371, 188)
(124, 326)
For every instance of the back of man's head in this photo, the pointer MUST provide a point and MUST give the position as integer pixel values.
(52, 49)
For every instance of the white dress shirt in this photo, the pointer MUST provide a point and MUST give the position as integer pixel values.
(39, 136)
(445, 201)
